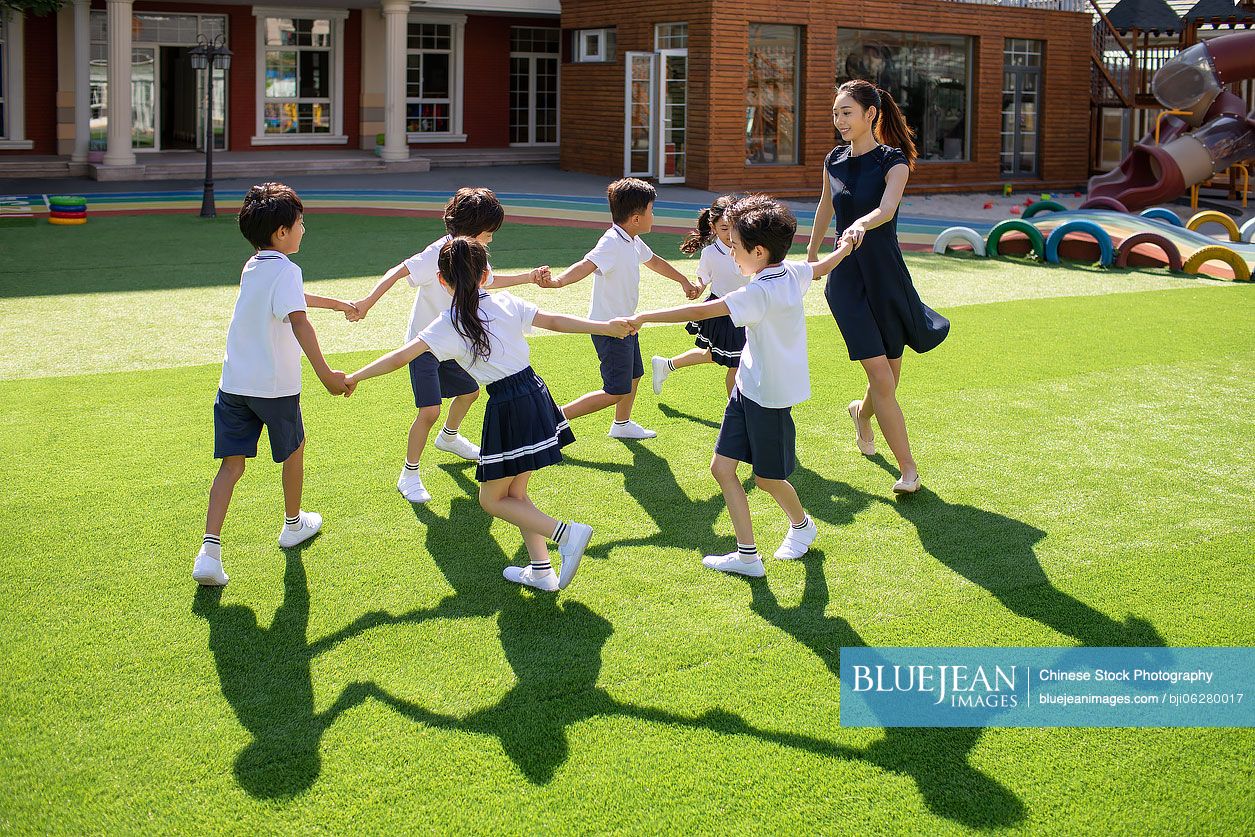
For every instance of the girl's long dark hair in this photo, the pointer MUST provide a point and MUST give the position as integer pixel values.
(890, 126)
(462, 263)
(705, 232)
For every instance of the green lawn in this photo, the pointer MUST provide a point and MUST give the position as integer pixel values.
(1088, 461)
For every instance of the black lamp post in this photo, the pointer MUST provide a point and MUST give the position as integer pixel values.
(211, 54)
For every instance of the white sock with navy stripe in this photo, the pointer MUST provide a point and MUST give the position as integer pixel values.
(212, 546)
(559, 532)
(446, 431)
(806, 521)
(623, 423)
(293, 523)
(670, 365)
(748, 552)
(411, 468)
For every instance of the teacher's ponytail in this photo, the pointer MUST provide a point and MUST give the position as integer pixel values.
(892, 130)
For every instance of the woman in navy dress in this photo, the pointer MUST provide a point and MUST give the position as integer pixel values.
(870, 293)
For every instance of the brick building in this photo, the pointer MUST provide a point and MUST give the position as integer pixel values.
(715, 95)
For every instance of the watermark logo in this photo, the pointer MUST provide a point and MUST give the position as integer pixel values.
(1030, 687)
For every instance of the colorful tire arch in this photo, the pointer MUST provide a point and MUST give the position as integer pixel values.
(1015, 225)
(963, 234)
(1106, 248)
(1241, 271)
(1248, 231)
(1158, 213)
(1043, 206)
(1211, 216)
(1170, 250)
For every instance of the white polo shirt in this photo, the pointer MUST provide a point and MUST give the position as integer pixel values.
(263, 358)
(508, 321)
(774, 370)
(717, 268)
(432, 299)
(617, 279)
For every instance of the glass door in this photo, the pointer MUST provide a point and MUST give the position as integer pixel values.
(533, 85)
(144, 125)
(1021, 107)
(673, 114)
(641, 123)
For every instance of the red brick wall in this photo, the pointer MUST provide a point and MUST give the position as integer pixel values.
(592, 94)
(40, 87)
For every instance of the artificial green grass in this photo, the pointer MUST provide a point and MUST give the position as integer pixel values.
(1087, 462)
(156, 291)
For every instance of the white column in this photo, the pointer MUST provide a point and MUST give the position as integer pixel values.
(119, 152)
(82, 79)
(396, 14)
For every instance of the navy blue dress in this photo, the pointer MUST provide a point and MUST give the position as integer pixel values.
(870, 292)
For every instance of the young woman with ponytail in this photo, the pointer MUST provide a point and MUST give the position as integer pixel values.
(523, 428)
(870, 294)
(718, 340)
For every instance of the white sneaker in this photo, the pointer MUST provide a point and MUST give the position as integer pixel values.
(311, 522)
(523, 575)
(797, 542)
(904, 487)
(732, 563)
(208, 571)
(867, 446)
(459, 445)
(631, 430)
(411, 487)
(578, 535)
(660, 373)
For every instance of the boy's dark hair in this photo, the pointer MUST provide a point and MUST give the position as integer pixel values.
(762, 220)
(628, 197)
(472, 211)
(267, 208)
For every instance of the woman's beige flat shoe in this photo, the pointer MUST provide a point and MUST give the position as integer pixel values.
(867, 447)
(904, 487)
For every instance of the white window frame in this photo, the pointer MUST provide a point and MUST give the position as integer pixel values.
(456, 86)
(13, 133)
(584, 56)
(337, 135)
(531, 105)
(653, 114)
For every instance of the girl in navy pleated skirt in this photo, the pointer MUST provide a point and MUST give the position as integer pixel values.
(524, 430)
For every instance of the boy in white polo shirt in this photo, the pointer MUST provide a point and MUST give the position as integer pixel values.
(616, 262)
(261, 372)
(773, 376)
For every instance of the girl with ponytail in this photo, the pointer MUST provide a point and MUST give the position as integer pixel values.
(523, 428)
(870, 294)
(718, 340)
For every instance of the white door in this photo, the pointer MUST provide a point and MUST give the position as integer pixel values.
(673, 114)
(640, 123)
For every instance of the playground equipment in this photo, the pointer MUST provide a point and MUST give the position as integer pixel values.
(1110, 238)
(67, 210)
(1205, 132)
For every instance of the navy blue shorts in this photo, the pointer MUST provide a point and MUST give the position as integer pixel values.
(620, 362)
(765, 437)
(238, 420)
(433, 380)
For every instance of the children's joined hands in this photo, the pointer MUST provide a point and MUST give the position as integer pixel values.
(693, 291)
(621, 327)
(542, 278)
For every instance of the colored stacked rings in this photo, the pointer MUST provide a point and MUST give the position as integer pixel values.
(67, 210)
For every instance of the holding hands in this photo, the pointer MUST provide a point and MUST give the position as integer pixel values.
(691, 290)
(542, 278)
(853, 234)
(338, 383)
(621, 327)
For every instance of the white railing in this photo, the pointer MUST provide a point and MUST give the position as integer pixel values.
(1049, 5)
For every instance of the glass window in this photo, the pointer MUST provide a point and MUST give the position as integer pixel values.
(533, 85)
(928, 77)
(534, 39)
(671, 36)
(297, 83)
(771, 94)
(429, 78)
(595, 44)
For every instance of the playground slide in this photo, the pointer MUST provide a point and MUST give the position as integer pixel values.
(1194, 82)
